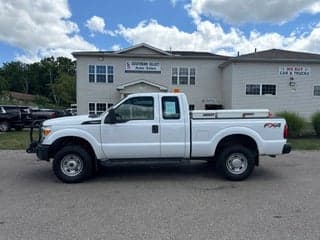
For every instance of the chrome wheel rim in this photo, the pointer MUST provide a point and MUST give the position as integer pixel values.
(237, 163)
(71, 165)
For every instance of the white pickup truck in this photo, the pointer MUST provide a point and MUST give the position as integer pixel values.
(158, 128)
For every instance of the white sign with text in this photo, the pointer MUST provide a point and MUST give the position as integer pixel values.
(143, 66)
(294, 71)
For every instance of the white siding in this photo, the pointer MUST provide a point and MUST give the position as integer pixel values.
(207, 88)
(227, 86)
(301, 100)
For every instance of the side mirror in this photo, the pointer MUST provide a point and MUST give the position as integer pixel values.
(111, 117)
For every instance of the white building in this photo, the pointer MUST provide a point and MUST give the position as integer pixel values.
(275, 79)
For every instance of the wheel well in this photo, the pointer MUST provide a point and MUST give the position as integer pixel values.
(239, 139)
(62, 142)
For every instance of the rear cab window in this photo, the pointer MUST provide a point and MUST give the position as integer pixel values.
(170, 107)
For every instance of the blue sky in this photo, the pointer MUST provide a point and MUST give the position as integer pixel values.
(33, 29)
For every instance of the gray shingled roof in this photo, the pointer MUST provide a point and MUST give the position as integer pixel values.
(195, 53)
(274, 55)
(280, 54)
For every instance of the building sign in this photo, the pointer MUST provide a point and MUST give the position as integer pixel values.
(143, 66)
(294, 71)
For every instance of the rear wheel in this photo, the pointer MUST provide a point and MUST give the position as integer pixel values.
(236, 163)
(4, 126)
(72, 164)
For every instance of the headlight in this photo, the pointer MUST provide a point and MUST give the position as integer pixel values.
(46, 131)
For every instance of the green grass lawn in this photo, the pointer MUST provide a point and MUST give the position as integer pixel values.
(20, 140)
(305, 143)
(14, 140)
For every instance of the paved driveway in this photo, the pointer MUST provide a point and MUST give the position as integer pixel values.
(280, 201)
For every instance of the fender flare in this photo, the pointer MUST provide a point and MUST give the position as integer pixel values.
(73, 132)
(236, 131)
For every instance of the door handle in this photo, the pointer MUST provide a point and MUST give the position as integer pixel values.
(155, 128)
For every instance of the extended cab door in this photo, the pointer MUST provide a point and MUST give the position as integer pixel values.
(135, 133)
(173, 128)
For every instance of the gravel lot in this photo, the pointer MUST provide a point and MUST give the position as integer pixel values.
(280, 201)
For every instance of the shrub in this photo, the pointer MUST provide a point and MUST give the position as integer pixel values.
(294, 121)
(316, 122)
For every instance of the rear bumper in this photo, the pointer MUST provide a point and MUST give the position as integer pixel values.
(286, 148)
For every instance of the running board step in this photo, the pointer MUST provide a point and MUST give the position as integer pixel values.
(125, 162)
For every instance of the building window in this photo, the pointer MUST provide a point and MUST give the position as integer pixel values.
(183, 76)
(92, 108)
(101, 107)
(91, 73)
(174, 76)
(101, 74)
(110, 105)
(316, 90)
(261, 89)
(97, 108)
(253, 89)
(192, 76)
(268, 89)
(110, 74)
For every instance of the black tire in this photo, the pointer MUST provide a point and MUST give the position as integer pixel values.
(18, 128)
(4, 126)
(236, 162)
(72, 164)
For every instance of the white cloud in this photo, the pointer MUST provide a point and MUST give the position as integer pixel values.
(115, 47)
(175, 2)
(40, 28)
(96, 24)
(212, 37)
(240, 11)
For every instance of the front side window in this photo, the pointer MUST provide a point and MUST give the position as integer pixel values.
(268, 89)
(316, 90)
(253, 89)
(170, 108)
(137, 108)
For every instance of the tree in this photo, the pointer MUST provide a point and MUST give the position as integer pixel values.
(44, 78)
(16, 75)
(4, 86)
(65, 89)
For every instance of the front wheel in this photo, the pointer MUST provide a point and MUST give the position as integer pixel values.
(72, 164)
(4, 126)
(236, 163)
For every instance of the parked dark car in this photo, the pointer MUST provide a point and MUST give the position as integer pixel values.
(16, 117)
(40, 115)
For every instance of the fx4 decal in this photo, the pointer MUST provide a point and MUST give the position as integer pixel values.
(272, 125)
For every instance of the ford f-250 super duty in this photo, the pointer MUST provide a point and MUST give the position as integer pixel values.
(157, 128)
